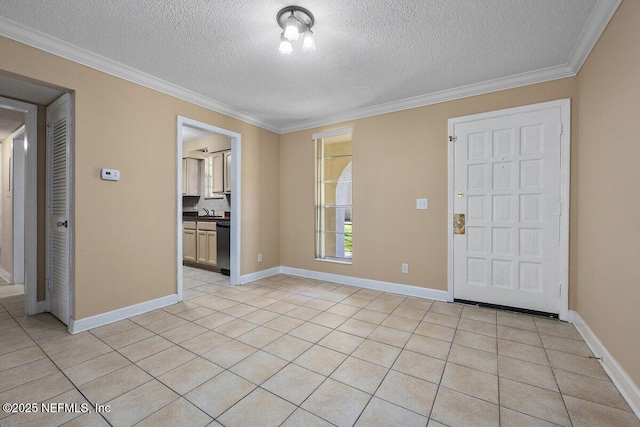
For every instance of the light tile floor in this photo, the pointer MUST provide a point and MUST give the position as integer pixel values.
(298, 352)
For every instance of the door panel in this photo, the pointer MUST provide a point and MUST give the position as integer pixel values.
(59, 207)
(506, 180)
(202, 247)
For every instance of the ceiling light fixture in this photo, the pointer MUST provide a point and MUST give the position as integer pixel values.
(295, 20)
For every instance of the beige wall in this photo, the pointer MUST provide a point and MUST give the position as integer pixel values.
(125, 232)
(608, 247)
(397, 158)
(7, 209)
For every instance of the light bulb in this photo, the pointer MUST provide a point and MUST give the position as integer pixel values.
(308, 42)
(291, 28)
(285, 45)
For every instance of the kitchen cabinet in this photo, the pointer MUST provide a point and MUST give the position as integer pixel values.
(191, 176)
(215, 173)
(227, 171)
(207, 249)
(218, 173)
(189, 241)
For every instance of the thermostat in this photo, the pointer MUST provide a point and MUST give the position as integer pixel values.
(110, 174)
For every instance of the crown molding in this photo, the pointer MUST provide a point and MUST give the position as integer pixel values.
(496, 85)
(49, 44)
(600, 16)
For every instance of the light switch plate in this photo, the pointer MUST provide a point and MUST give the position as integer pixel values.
(110, 174)
(422, 203)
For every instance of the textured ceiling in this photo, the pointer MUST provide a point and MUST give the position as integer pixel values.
(370, 52)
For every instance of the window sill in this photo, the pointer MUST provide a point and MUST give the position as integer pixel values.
(334, 261)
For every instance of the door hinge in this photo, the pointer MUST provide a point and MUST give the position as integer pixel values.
(560, 290)
(560, 128)
(48, 285)
(453, 138)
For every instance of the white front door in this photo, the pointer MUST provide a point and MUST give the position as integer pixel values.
(59, 207)
(507, 178)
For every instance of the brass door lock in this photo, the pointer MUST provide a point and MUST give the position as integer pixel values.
(458, 223)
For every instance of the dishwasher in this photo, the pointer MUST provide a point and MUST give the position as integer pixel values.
(223, 237)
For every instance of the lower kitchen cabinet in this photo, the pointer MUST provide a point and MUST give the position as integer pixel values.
(189, 241)
(200, 243)
(206, 244)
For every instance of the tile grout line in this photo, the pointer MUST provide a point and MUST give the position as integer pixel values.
(60, 370)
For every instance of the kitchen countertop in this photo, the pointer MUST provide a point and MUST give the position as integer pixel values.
(205, 218)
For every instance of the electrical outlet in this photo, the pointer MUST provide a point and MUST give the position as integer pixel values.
(405, 268)
(259, 257)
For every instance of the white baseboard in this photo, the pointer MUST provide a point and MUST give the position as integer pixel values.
(259, 275)
(396, 288)
(102, 319)
(628, 389)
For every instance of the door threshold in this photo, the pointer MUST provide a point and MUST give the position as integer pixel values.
(507, 308)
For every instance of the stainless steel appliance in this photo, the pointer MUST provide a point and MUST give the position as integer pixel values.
(223, 236)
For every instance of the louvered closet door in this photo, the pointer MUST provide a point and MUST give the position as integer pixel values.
(58, 205)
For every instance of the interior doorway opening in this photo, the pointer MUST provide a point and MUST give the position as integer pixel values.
(208, 183)
(22, 169)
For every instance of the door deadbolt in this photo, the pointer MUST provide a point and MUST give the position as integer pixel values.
(458, 223)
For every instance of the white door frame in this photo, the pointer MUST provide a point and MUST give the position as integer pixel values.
(17, 179)
(32, 306)
(236, 142)
(565, 147)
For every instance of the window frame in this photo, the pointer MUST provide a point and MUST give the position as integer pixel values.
(320, 205)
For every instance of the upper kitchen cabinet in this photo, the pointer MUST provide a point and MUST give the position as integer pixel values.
(218, 173)
(214, 174)
(227, 171)
(191, 177)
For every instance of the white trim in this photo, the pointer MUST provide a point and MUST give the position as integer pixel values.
(50, 44)
(565, 193)
(601, 14)
(236, 205)
(31, 306)
(18, 181)
(510, 82)
(333, 132)
(396, 288)
(623, 382)
(565, 157)
(600, 17)
(179, 267)
(76, 326)
(259, 275)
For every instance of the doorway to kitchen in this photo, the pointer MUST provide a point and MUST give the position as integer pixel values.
(208, 204)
